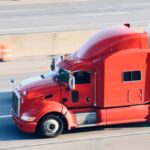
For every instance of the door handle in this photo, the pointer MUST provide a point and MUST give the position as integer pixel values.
(88, 99)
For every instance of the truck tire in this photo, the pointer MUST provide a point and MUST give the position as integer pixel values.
(50, 126)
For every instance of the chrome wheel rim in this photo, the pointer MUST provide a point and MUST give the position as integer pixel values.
(51, 126)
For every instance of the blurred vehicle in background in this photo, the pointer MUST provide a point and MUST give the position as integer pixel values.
(4, 52)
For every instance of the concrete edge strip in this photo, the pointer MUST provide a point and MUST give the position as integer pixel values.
(80, 140)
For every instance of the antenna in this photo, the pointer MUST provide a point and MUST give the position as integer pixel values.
(127, 25)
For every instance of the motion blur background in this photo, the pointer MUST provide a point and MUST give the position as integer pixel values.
(33, 30)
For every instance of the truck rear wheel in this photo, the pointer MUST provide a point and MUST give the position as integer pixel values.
(50, 126)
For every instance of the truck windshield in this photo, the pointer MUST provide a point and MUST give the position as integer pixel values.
(63, 75)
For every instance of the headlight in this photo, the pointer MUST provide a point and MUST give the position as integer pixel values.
(24, 93)
(26, 117)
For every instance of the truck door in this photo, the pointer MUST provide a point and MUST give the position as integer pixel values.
(81, 96)
(135, 95)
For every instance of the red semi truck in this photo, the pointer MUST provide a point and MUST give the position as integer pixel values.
(107, 81)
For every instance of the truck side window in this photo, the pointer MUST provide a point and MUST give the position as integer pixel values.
(82, 77)
(132, 76)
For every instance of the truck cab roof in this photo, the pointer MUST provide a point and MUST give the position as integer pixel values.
(110, 40)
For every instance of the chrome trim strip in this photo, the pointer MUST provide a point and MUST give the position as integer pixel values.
(87, 125)
(19, 99)
(95, 89)
(86, 118)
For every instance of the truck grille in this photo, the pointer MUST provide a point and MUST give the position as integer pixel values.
(16, 103)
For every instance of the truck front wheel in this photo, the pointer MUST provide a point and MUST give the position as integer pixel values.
(50, 126)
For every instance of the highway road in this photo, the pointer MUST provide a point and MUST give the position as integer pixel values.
(66, 16)
(133, 136)
(124, 137)
(71, 15)
(21, 68)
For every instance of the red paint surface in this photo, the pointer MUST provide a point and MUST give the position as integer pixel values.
(107, 55)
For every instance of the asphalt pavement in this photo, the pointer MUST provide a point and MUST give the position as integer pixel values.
(5, 104)
(132, 136)
(125, 137)
(71, 15)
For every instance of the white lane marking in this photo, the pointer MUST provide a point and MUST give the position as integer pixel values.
(140, 4)
(67, 27)
(61, 15)
(22, 10)
(5, 91)
(5, 116)
(33, 10)
(57, 27)
(41, 2)
(104, 14)
(37, 28)
(79, 15)
(45, 9)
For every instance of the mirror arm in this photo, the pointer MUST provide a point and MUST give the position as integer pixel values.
(53, 64)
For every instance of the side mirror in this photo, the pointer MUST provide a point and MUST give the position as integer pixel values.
(72, 82)
(53, 64)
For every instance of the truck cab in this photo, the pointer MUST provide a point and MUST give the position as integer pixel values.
(105, 82)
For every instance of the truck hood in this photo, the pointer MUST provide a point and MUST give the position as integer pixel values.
(46, 81)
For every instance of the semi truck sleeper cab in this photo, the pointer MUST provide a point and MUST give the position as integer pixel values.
(105, 82)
